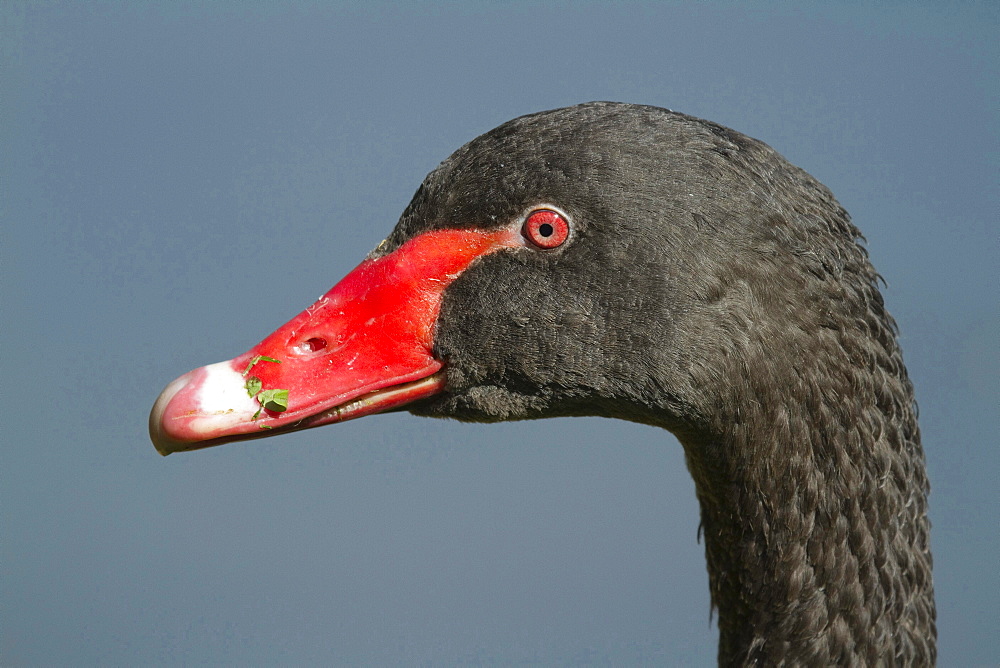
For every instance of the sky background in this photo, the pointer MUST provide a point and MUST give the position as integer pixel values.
(178, 179)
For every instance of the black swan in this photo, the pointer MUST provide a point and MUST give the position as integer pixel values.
(632, 262)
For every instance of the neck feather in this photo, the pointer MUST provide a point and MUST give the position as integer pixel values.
(813, 497)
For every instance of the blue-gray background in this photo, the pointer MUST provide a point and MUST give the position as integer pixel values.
(180, 178)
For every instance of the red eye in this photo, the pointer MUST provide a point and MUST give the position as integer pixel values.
(546, 228)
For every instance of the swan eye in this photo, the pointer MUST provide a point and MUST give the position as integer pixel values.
(546, 228)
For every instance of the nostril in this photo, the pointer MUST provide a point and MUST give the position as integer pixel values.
(312, 345)
(316, 344)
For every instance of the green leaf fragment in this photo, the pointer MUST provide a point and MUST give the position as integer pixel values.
(274, 400)
(271, 400)
(253, 360)
(259, 358)
(253, 385)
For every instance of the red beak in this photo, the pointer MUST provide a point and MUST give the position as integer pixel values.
(364, 347)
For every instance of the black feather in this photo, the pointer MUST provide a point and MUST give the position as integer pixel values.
(711, 288)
